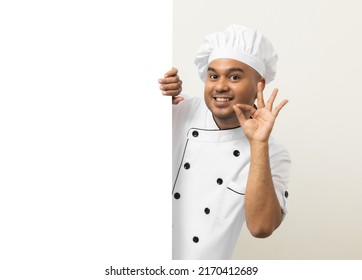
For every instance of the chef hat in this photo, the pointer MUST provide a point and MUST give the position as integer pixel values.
(241, 43)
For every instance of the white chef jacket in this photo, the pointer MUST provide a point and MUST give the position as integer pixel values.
(210, 171)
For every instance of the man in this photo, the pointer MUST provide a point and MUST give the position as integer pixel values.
(226, 167)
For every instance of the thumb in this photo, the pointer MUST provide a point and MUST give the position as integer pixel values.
(177, 99)
(239, 113)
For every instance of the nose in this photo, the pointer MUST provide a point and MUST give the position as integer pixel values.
(221, 85)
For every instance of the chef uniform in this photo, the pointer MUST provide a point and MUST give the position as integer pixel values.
(210, 172)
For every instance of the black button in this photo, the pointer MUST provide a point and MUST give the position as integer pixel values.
(207, 211)
(187, 165)
(236, 153)
(177, 195)
(286, 194)
(195, 133)
(219, 181)
(195, 239)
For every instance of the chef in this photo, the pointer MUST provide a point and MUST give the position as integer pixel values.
(227, 169)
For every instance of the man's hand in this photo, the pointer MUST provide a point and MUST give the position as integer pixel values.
(262, 209)
(259, 127)
(171, 85)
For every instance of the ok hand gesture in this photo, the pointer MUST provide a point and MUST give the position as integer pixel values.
(259, 127)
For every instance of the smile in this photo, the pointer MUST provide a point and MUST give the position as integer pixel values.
(222, 99)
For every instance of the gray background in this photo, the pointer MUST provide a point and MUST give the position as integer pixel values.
(319, 71)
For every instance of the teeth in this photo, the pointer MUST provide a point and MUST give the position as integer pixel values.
(222, 99)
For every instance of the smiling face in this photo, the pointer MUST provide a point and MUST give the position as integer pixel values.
(229, 82)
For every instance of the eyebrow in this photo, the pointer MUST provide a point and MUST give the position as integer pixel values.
(233, 69)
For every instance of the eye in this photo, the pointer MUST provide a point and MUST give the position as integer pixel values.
(234, 78)
(213, 77)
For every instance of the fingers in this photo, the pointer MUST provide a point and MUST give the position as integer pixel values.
(172, 72)
(279, 107)
(259, 96)
(171, 85)
(170, 77)
(243, 112)
(239, 114)
(270, 102)
(170, 80)
(172, 88)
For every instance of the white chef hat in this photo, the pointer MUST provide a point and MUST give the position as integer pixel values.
(241, 43)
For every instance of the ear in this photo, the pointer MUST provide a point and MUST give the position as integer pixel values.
(262, 81)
